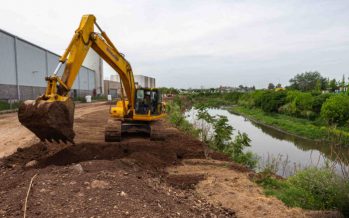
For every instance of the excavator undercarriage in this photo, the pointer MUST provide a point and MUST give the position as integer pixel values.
(116, 128)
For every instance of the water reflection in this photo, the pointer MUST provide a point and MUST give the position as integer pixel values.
(270, 143)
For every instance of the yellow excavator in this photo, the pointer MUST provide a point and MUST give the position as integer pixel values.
(51, 116)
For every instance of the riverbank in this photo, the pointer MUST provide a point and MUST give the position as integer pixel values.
(298, 127)
(295, 191)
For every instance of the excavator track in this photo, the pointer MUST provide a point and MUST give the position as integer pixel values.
(157, 131)
(113, 130)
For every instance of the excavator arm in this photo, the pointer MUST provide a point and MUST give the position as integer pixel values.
(51, 116)
(84, 39)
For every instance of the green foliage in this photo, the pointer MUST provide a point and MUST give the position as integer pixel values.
(308, 81)
(80, 99)
(271, 86)
(232, 97)
(292, 196)
(222, 132)
(311, 188)
(333, 85)
(171, 90)
(271, 101)
(236, 151)
(215, 99)
(329, 190)
(298, 104)
(318, 102)
(221, 139)
(176, 117)
(290, 124)
(8, 106)
(100, 98)
(335, 109)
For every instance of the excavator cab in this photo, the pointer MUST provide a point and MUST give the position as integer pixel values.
(148, 101)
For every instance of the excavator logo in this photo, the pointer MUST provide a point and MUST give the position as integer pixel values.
(112, 54)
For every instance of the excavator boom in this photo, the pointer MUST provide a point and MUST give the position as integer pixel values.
(51, 115)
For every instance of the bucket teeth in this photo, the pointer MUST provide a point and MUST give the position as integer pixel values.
(51, 121)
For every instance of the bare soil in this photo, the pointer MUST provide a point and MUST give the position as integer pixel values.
(134, 178)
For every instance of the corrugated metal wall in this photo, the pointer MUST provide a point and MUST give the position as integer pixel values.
(24, 66)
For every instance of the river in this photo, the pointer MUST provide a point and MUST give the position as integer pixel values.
(285, 152)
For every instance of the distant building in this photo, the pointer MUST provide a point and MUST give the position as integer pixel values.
(112, 88)
(24, 66)
(145, 81)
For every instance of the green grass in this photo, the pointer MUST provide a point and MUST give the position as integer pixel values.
(293, 125)
(317, 189)
(177, 118)
(8, 106)
(301, 127)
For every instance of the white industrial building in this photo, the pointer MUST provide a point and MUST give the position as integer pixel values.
(24, 66)
(145, 81)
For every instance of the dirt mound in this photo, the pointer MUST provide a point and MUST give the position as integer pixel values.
(94, 178)
(186, 181)
(102, 188)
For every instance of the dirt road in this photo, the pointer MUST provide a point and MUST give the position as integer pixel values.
(13, 135)
(134, 178)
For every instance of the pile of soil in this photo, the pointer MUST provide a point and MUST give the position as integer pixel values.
(97, 179)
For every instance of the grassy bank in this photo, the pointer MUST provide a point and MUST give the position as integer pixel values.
(315, 189)
(296, 126)
(312, 188)
(292, 125)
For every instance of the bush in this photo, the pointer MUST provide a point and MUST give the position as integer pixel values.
(176, 117)
(319, 101)
(232, 97)
(335, 109)
(312, 188)
(328, 189)
(271, 101)
(298, 104)
(7, 106)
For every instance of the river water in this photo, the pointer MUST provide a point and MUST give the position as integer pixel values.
(286, 152)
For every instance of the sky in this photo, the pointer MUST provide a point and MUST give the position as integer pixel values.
(200, 43)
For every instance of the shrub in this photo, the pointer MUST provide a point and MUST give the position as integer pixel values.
(232, 97)
(328, 189)
(7, 106)
(271, 101)
(311, 188)
(246, 100)
(335, 109)
(319, 100)
(176, 117)
(222, 132)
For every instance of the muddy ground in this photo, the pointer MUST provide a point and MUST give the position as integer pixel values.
(137, 177)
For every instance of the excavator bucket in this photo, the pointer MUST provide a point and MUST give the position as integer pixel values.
(48, 120)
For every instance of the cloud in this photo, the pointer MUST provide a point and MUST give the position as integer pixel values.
(195, 43)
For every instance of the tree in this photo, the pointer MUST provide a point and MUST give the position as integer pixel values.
(270, 101)
(271, 86)
(333, 85)
(335, 109)
(318, 86)
(279, 85)
(343, 83)
(307, 81)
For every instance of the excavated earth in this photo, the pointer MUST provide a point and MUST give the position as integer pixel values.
(178, 177)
